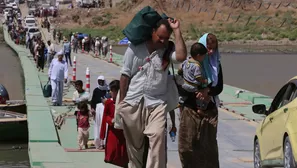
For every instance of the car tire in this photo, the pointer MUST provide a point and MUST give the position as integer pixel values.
(257, 156)
(289, 160)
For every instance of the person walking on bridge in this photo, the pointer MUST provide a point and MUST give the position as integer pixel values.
(197, 143)
(67, 51)
(75, 43)
(40, 56)
(58, 73)
(48, 26)
(143, 93)
(115, 151)
(51, 52)
(79, 96)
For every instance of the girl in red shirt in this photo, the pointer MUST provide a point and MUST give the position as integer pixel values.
(115, 150)
(83, 125)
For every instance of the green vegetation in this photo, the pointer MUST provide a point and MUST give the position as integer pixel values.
(102, 20)
(75, 18)
(112, 32)
(271, 28)
(250, 32)
(279, 25)
(228, 32)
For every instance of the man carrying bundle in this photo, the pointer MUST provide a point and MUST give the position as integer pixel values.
(144, 92)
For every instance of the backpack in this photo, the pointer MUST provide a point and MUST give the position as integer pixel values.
(47, 89)
(141, 26)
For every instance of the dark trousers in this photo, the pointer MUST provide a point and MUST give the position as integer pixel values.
(68, 57)
(40, 62)
(75, 46)
(198, 145)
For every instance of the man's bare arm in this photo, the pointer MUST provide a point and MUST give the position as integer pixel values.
(124, 84)
(180, 46)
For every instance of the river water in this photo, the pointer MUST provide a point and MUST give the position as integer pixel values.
(12, 154)
(263, 73)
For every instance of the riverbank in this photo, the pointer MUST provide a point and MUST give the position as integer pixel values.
(234, 46)
(254, 30)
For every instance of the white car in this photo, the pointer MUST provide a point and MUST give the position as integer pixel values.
(13, 5)
(34, 31)
(7, 11)
(30, 16)
(30, 22)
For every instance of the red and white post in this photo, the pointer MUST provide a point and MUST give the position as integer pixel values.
(74, 69)
(110, 53)
(82, 47)
(88, 80)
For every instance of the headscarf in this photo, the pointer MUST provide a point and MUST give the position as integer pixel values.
(211, 63)
(60, 53)
(105, 86)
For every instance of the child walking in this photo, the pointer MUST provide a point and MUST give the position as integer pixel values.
(83, 125)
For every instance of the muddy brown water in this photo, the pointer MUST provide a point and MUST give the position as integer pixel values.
(11, 73)
(263, 73)
(12, 154)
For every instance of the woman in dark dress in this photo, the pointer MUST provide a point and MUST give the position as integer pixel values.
(198, 145)
(40, 61)
(99, 92)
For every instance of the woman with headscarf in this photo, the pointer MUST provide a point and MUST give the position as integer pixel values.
(97, 108)
(40, 56)
(99, 92)
(198, 132)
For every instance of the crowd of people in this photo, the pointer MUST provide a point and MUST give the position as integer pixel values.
(15, 29)
(139, 98)
(138, 102)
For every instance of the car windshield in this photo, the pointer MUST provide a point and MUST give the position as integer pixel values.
(34, 30)
(30, 21)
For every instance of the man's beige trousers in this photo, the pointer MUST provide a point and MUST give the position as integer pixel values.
(138, 122)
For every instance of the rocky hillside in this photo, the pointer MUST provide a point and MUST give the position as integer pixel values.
(245, 20)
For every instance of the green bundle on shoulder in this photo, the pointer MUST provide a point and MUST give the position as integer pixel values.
(141, 26)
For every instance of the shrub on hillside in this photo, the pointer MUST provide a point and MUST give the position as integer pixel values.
(75, 18)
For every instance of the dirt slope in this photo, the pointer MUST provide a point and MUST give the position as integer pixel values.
(231, 19)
